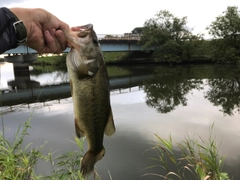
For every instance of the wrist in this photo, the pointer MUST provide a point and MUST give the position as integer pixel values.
(19, 25)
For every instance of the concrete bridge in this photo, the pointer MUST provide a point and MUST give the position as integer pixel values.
(109, 43)
(115, 42)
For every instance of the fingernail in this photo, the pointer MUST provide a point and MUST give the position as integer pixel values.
(47, 32)
(52, 32)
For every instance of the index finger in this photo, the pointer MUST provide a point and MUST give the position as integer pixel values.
(63, 26)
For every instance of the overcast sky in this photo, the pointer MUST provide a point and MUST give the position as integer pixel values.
(118, 17)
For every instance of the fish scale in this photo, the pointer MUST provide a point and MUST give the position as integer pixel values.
(90, 92)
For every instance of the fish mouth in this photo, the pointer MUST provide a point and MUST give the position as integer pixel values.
(79, 36)
(83, 30)
(86, 27)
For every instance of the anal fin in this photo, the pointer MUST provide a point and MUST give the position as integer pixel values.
(78, 131)
(110, 127)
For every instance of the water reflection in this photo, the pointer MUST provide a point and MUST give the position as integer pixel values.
(225, 93)
(169, 87)
(166, 87)
(50, 75)
(145, 100)
(22, 78)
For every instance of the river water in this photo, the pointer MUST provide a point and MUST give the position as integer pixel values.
(179, 101)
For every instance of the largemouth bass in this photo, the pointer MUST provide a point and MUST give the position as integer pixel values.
(90, 92)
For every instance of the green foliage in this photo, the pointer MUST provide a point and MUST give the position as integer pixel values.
(59, 61)
(173, 42)
(137, 30)
(66, 166)
(224, 52)
(38, 69)
(110, 57)
(226, 28)
(227, 24)
(171, 39)
(55, 60)
(202, 50)
(168, 52)
(199, 158)
(17, 162)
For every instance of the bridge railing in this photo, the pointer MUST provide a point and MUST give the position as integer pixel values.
(126, 36)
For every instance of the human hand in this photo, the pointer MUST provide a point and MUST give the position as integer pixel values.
(44, 30)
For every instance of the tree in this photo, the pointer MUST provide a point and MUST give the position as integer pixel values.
(137, 30)
(226, 31)
(227, 25)
(167, 34)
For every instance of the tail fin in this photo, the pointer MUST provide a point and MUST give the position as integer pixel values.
(89, 160)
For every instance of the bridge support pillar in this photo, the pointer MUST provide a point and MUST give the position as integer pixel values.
(21, 71)
(22, 78)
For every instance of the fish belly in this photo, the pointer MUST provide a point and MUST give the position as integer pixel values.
(91, 107)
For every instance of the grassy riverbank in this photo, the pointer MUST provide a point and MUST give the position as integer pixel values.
(200, 159)
(197, 158)
(60, 60)
(121, 58)
(18, 162)
(109, 57)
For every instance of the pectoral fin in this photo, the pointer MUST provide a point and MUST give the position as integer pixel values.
(81, 68)
(79, 132)
(82, 71)
(110, 127)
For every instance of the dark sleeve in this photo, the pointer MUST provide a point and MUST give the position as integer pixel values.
(8, 39)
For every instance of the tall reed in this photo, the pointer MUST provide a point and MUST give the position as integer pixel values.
(199, 158)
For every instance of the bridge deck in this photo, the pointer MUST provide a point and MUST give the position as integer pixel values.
(108, 43)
